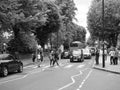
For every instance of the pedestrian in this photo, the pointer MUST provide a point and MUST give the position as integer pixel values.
(16, 55)
(97, 56)
(56, 57)
(82, 56)
(116, 57)
(105, 53)
(33, 57)
(40, 56)
(112, 54)
(51, 57)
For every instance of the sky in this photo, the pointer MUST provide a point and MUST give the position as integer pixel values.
(81, 13)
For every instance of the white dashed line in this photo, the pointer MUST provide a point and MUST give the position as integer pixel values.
(13, 79)
(84, 80)
(73, 80)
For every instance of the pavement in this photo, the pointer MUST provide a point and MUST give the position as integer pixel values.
(108, 67)
(27, 59)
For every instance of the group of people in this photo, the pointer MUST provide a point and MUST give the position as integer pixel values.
(53, 57)
(38, 55)
(114, 56)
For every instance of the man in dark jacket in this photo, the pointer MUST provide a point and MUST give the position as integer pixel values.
(97, 56)
(56, 57)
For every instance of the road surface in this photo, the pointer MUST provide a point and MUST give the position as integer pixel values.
(67, 76)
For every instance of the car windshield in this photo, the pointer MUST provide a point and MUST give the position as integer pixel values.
(6, 57)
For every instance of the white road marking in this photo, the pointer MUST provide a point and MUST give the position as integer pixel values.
(80, 66)
(13, 79)
(56, 66)
(85, 79)
(37, 66)
(29, 66)
(68, 66)
(24, 75)
(73, 80)
(46, 66)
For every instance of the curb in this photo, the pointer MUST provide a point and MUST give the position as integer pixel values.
(103, 69)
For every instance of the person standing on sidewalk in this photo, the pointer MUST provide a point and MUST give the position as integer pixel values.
(112, 54)
(116, 57)
(33, 57)
(105, 54)
(97, 53)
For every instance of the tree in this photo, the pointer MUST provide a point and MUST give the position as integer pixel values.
(67, 11)
(111, 20)
(79, 33)
(52, 25)
(21, 16)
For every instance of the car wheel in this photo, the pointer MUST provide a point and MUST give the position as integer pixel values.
(4, 71)
(20, 68)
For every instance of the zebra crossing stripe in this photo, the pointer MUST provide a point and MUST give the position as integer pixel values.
(80, 66)
(68, 66)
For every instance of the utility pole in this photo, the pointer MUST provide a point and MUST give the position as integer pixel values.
(103, 58)
(57, 38)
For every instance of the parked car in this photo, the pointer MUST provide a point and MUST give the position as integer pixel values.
(9, 64)
(77, 55)
(65, 54)
(87, 54)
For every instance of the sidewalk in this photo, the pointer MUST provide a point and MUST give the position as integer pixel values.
(26, 59)
(108, 67)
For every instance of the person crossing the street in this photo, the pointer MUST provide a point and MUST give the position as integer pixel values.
(51, 57)
(40, 56)
(56, 57)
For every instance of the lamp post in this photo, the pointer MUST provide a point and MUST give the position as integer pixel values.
(103, 56)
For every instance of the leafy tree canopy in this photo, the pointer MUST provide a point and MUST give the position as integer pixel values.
(111, 19)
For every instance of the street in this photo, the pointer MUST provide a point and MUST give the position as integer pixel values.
(67, 76)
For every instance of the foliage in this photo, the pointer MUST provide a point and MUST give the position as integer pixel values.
(79, 33)
(67, 11)
(52, 25)
(111, 20)
(24, 44)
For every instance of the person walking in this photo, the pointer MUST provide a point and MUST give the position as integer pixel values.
(112, 54)
(38, 59)
(33, 57)
(40, 56)
(97, 56)
(56, 58)
(51, 57)
(116, 57)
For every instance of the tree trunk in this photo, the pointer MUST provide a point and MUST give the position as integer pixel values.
(16, 31)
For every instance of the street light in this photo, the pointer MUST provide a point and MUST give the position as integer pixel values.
(103, 58)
